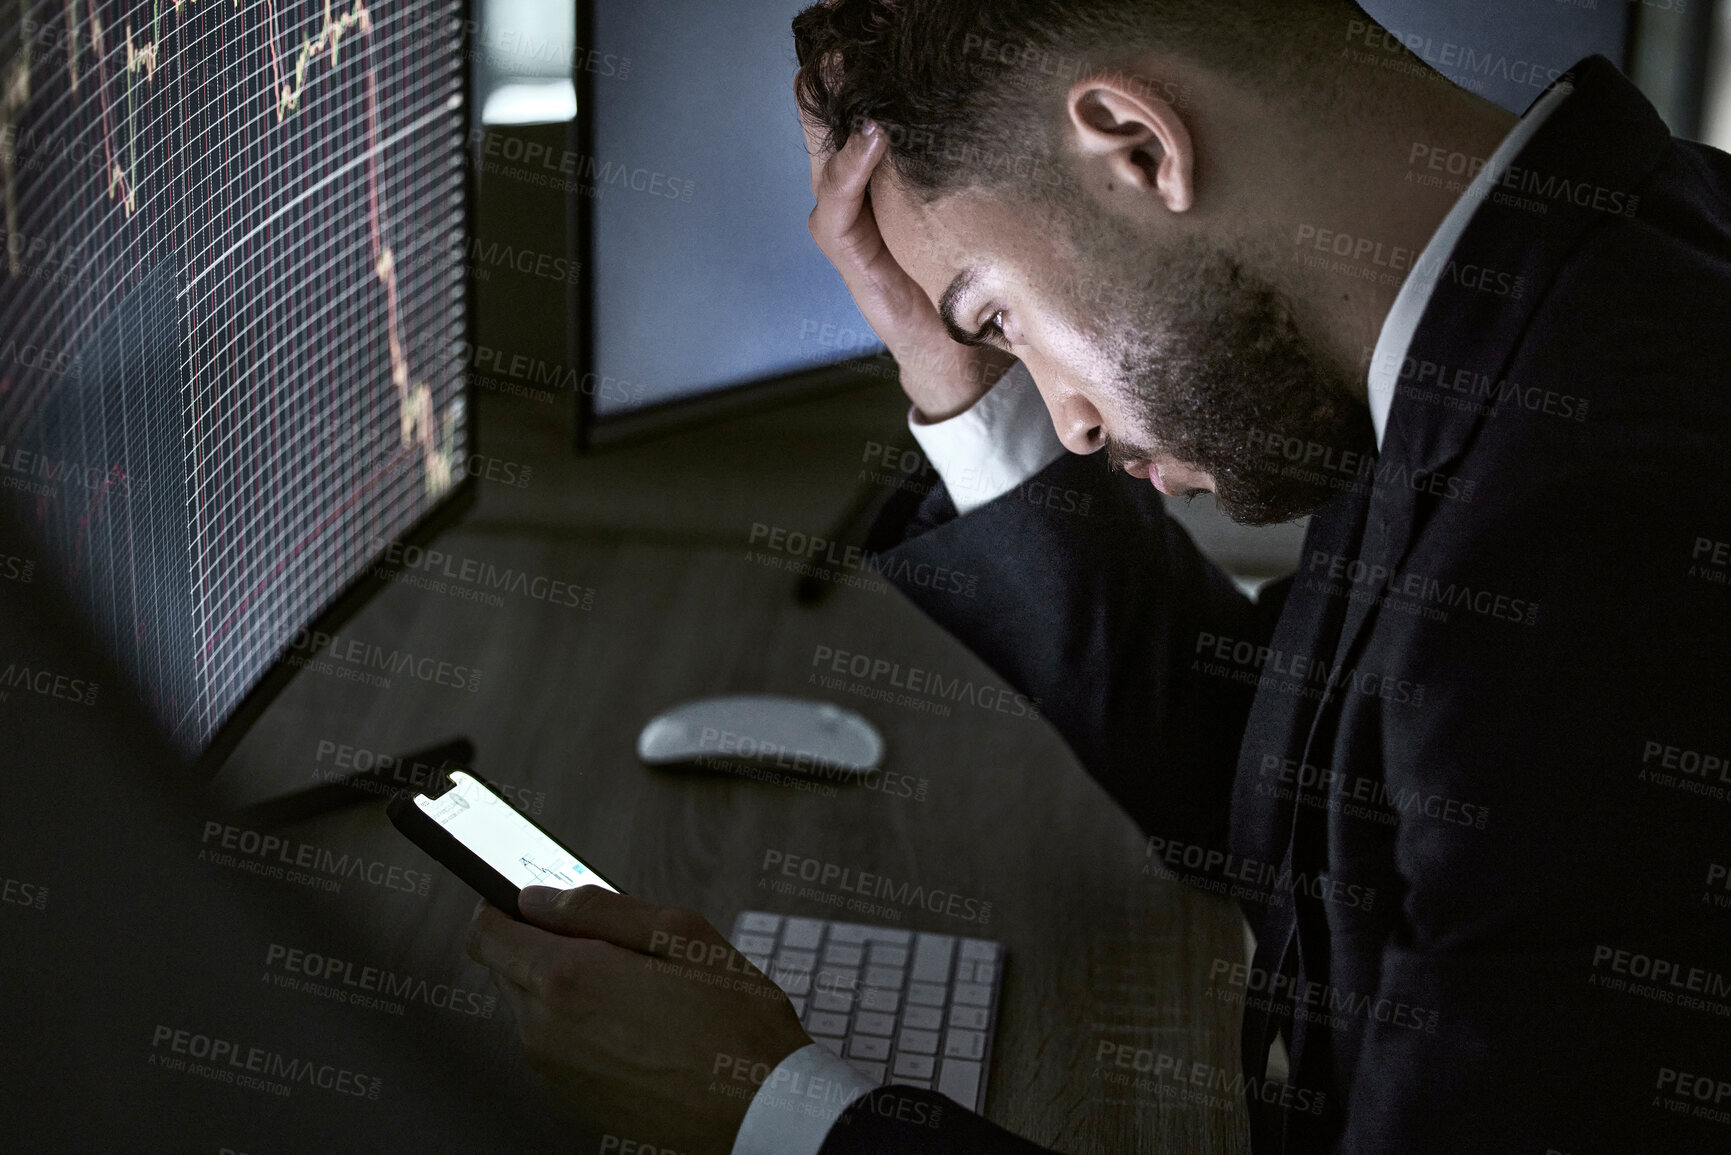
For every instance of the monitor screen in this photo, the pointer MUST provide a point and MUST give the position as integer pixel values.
(703, 273)
(232, 315)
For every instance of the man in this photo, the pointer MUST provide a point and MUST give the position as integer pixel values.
(1469, 770)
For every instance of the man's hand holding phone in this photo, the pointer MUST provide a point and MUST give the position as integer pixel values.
(638, 1014)
(941, 377)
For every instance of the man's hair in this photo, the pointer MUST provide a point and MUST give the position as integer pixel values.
(968, 90)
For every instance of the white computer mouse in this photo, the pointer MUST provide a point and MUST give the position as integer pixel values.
(795, 735)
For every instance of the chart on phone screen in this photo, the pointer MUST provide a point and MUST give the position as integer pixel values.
(503, 838)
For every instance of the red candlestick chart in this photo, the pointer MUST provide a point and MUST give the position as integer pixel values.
(226, 376)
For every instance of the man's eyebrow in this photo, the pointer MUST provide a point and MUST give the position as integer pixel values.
(947, 308)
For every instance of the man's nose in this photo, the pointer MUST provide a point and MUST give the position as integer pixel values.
(1077, 422)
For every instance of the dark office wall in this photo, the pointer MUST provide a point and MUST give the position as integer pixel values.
(719, 283)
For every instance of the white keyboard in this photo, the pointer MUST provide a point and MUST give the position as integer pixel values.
(900, 1006)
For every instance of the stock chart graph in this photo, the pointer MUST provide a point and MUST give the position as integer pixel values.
(231, 315)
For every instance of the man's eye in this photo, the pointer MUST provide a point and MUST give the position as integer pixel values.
(995, 325)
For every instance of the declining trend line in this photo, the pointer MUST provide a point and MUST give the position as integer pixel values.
(417, 419)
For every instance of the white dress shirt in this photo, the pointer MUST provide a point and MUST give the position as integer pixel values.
(1003, 441)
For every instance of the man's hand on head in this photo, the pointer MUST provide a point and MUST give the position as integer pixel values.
(941, 377)
(630, 1009)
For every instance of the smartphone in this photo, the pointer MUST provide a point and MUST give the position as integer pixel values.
(487, 842)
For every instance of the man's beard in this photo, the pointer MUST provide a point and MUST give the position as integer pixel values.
(1216, 374)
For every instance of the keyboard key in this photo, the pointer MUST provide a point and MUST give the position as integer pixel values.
(831, 1001)
(925, 1018)
(755, 943)
(873, 1023)
(837, 980)
(922, 1084)
(973, 994)
(885, 955)
(919, 1042)
(760, 961)
(803, 933)
(960, 1080)
(965, 970)
(825, 1023)
(758, 922)
(965, 1044)
(979, 948)
(868, 1047)
(886, 1001)
(932, 958)
(892, 936)
(890, 977)
(985, 972)
(835, 1044)
(872, 1071)
(915, 1066)
(791, 982)
(845, 956)
(849, 932)
(970, 1018)
(926, 994)
(799, 960)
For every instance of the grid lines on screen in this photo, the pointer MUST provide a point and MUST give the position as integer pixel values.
(231, 316)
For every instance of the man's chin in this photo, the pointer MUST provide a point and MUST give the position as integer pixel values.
(1258, 506)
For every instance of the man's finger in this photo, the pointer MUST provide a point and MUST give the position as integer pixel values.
(841, 186)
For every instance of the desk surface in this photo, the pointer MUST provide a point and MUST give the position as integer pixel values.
(976, 803)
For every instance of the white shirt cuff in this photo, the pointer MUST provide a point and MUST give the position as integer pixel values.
(792, 1112)
(1002, 441)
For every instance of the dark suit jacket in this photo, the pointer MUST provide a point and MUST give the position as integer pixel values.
(1469, 769)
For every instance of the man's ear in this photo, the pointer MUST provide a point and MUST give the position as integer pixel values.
(1142, 141)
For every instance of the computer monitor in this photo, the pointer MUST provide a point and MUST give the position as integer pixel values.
(233, 316)
(699, 277)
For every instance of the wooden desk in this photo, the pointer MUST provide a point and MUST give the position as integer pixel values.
(1100, 956)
